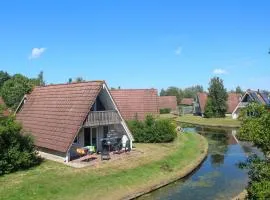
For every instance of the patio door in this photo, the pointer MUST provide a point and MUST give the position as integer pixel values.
(90, 136)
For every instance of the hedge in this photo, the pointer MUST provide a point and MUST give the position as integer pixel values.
(153, 130)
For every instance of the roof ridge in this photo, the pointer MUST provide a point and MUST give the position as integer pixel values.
(73, 83)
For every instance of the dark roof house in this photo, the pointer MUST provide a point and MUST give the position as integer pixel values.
(248, 97)
(64, 117)
(200, 102)
(136, 103)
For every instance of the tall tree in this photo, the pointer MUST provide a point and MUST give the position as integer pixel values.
(70, 80)
(239, 90)
(190, 92)
(174, 91)
(41, 79)
(15, 88)
(4, 76)
(162, 92)
(216, 102)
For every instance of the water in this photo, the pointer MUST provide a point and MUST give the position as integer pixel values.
(218, 177)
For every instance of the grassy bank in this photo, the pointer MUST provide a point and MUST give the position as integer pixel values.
(159, 163)
(217, 122)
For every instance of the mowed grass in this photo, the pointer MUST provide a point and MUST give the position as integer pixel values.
(53, 180)
(191, 119)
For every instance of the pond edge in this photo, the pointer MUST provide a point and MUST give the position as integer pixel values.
(187, 170)
(241, 196)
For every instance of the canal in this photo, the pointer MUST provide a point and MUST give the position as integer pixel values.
(218, 177)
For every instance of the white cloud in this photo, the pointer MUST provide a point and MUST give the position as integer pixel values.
(178, 50)
(220, 71)
(36, 53)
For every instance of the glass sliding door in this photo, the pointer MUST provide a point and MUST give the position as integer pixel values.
(87, 136)
(94, 137)
(90, 136)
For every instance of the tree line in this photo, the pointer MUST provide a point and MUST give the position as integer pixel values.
(189, 92)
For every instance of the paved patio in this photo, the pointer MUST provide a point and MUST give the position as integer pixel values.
(94, 163)
(97, 162)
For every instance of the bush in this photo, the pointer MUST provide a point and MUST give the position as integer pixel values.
(255, 120)
(259, 177)
(153, 130)
(17, 151)
(164, 110)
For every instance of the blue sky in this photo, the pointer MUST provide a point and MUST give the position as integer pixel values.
(138, 44)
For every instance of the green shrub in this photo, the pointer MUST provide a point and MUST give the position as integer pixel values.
(153, 130)
(164, 110)
(17, 151)
(255, 127)
(259, 177)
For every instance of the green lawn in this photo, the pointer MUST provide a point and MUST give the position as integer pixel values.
(53, 180)
(191, 119)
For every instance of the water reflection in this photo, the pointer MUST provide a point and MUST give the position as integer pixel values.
(218, 140)
(219, 176)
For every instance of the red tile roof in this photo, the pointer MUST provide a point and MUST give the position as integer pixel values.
(202, 97)
(53, 114)
(187, 101)
(168, 102)
(232, 102)
(136, 102)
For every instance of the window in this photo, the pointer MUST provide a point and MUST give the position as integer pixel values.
(76, 140)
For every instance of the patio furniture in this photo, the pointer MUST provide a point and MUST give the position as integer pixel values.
(88, 157)
(86, 150)
(91, 149)
(82, 151)
(105, 155)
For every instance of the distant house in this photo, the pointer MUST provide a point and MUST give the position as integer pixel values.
(201, 99)
(248, 97)
(232, 101)
(186, 106)
(187, 101)
(65, 117)
(136, 103)
(199, 103)
(168, 102)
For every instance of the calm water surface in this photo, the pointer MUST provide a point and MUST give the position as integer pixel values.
(218, 177)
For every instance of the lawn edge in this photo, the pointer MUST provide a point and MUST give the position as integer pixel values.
(209, 125)
(188, 169)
